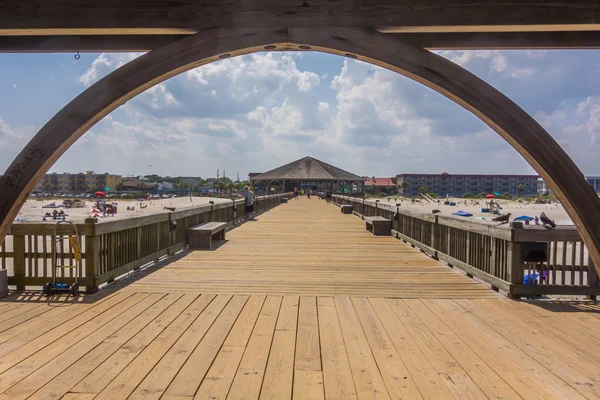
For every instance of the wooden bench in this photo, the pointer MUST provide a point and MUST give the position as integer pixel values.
(201, 236)
(346, 208)
(378, 226)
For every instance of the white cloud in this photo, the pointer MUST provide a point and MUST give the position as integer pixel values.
(323, 106)
(498, 62)
(12, 141)
(104, 64)
(247, 76)
(14, 86)
(306, 81)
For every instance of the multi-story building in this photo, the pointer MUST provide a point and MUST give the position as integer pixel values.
(456, 185)
(78, 183)
(594, 182)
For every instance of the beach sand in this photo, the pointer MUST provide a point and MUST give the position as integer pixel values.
(555, 211)
(32, 211)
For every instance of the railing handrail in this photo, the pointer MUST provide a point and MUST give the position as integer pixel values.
(528, 233)
(109, 225)
(112, 247)
(494, 254)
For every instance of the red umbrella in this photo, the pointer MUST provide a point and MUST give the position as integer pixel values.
(99, 194)
(490, 196)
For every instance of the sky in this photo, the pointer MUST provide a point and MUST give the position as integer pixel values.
(256, 112)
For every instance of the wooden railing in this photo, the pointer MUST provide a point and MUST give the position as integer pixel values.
(109, 248)
(494, 254)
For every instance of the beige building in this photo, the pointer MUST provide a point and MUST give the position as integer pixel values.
(78, 183)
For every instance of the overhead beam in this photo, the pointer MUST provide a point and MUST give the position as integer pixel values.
(77, 17)
(432, 41)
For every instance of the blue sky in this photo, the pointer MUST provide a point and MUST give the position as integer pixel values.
(256, 112)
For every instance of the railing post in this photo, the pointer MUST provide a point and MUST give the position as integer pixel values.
(468, 249)
(92, 260)
(514, 271)
(493, 253)
(592, 275)
(435, 236)
(19, 261)
(138, 234)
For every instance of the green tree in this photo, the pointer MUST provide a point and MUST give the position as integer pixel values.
(221, 186)
(521, 188)
(405, 185)
(424, 189)
(468, 195)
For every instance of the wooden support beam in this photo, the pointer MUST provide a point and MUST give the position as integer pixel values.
(430, 41)
(68, 17)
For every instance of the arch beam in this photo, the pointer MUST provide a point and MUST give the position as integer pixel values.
(519, 129)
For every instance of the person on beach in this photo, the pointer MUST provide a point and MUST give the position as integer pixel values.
(295, 193)
(249, 203)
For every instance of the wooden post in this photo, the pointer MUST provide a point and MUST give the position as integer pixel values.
(592, 275)
(493, 253)
(138, 234)
(435, 236)
(19, 261)
(92, 262)
(468, 248)
(514, 261)
(170, 243)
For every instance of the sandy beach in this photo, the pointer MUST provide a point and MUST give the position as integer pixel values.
(554, 211)
(32, 211)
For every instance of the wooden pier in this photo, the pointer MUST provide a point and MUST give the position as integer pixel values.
(301, 304)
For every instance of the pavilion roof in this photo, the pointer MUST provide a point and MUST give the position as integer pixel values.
(308, 169)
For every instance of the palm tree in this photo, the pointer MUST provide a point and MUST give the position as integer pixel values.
(424, 189)
(521, 187)
(230, 186)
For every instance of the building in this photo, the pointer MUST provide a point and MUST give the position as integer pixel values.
(307, 173)
(594, 182)
(78, 183)
(456, 185)
(135, 185)
(380, 185)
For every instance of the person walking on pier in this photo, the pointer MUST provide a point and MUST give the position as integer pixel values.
(249, 203)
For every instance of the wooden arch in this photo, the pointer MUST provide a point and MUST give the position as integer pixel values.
(496, 110)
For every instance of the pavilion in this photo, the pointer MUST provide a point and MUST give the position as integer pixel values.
(308, 173)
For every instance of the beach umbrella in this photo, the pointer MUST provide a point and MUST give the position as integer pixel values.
(497, 194)
(490, 196)
(99, 194)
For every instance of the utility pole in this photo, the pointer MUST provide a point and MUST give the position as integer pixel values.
(238, 177)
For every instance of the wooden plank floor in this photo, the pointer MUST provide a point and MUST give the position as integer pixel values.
(137, 345)
(309, 247)
(146, 342)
